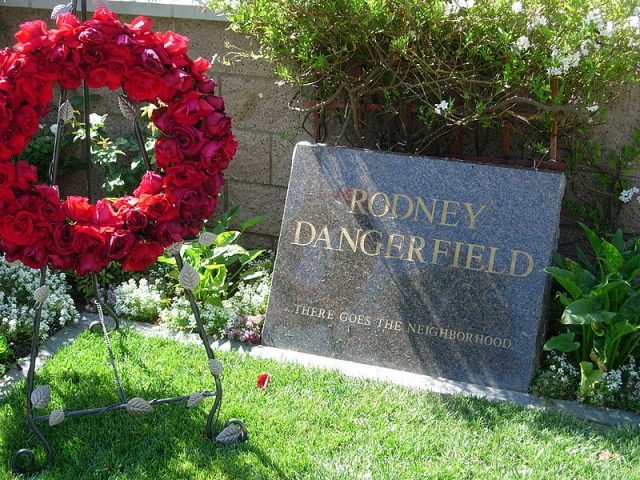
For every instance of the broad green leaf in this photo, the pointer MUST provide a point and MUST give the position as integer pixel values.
(250, 256)
(612, 256)
(618, 240)
(563, 343)
(250, 222)
(225, 238)
(566, 279)
(582, 312)
(586, 262)
(594, 241)
(588, 377)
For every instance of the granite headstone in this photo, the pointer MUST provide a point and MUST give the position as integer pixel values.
(421, 264)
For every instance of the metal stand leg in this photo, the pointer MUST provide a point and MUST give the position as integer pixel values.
(24, 459)
(234, 430)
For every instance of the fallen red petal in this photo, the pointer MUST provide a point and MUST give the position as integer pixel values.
(263, 381)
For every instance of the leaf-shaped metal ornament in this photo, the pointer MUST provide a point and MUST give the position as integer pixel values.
(195, 399)
(127, 108)
(215, 367)
(56, 417)
(139, 406)
(41, 397)
(59, 10)
(206, 239)
(100, 4)
(175, 248)
(188, 277)
(233, 432)
(41, 294)
(65, 112)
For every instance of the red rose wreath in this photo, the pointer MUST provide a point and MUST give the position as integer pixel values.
(196, 143)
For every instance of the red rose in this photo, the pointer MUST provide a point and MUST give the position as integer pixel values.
(11, 142)
(174, 43)
(91, 261)
(63, 236)
(50, 213)
(120, 244)
(184, 175)
(142, 256)
(167, 152)
(92, 35)
(48, 194)
(67, 22)
(35, 256)
(32, 36)
(158, 207)
(7, 175)
(79, 209)
(8, 202)
(168, 233)
(36, 88)
(199, 66)
(212, 159)
(62, 261)
(207, 85)
(141, 85)
(213, 184)
(178, 79)
(189, 139)
(217, 124)
(151, 184)
(115, 63)
(26, 121)
(140, 25)
(18, 229)
(26, 174)
(105, 214)
(87, 237)
(151, 62)
(136, 219)
(190, 108)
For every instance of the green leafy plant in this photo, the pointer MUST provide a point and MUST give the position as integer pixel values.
(598, 179)
(4, 349)
(440, 65)
(601, 306)
(223, 264)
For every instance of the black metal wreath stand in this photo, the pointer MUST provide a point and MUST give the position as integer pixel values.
(24, 460)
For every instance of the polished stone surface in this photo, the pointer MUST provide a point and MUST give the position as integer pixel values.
(419, 264)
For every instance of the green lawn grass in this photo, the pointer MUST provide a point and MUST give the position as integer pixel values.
(309, 424)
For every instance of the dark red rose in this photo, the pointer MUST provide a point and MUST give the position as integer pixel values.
(184, 175)
(67, 22)
(179, 80)
(207, 85)
(18, 229)
(7, 175)
(199, 66)
(189, 108)
(174, 43)
(92, 35)
(158, 207)
(216, 102)
(8, 202)
(36, 88)
(213, 184)
(120, 244)
(26, 174)
(50, 213)
(106, 215)
(35, 256)
(91, 54)
(143, 255)
(62, 261)
(168, 233)
(167, 152)
(87, 237)
(63, 236)
(151, 62)
(26, 121)
(151, 184)
(115, 63)
(48, 194)
(79, 209)
(93, 260)
(136, 219)
(189, 139)
(216, 124)
(141, 85)
(12, 142)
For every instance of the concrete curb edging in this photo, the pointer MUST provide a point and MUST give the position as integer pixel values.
(605, 416)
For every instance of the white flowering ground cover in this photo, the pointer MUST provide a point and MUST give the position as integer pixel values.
(17, 305)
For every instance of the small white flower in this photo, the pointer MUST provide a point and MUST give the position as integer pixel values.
(593, 108)
(517, 7)
(96, 119)
(442, 107)
(633, 22)
(609, 29)
(523, 43)
(627, 195)
(454, 6)
(537, 21)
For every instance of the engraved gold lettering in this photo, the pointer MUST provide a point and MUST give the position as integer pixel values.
(456, 255)
(492, 260)
(296, 238)
(446, 213)
(391, 245)
(437, 251)
(471, 257)
(514, 261)
(386, 204)
(473, 216)
(420, 205)
(394, 206)
(324, 237)
(363, 240)
(358, 197)
(344, 234)
(415, 249)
